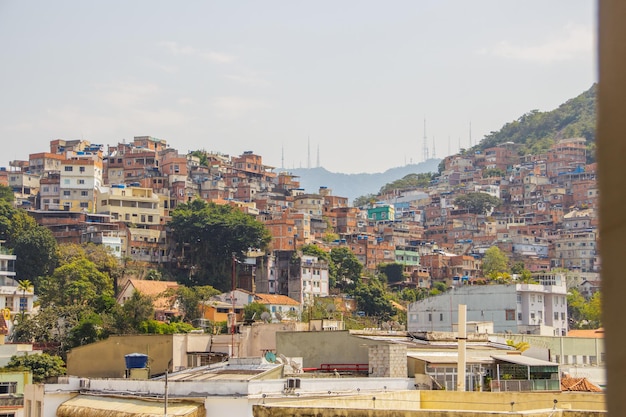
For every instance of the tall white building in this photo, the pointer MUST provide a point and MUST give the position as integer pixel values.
(516, 308)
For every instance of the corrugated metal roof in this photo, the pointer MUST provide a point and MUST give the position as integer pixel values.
(100, 406)
(523, 360)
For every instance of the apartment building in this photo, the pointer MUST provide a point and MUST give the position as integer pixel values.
(79, 178)
(539, 309)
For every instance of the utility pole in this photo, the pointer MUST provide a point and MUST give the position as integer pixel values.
(232, 298)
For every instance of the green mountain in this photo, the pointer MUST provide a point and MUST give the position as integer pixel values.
(535, 131)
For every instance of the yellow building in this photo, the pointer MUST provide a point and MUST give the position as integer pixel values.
(135, 206)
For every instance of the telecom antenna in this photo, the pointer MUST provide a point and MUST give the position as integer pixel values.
(434, 149)
(470, 134)
(425, 143)
(282, 157)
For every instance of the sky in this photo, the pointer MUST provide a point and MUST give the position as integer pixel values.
(354, 86)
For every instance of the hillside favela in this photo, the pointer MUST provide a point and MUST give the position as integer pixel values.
(139, 279)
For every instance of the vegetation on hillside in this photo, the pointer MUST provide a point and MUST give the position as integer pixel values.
(536, 131)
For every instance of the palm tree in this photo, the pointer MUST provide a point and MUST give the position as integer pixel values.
(25, 286)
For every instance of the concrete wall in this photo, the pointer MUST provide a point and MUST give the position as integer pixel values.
(323, 347)
(441, 403)
(386, 360)
(105, 359)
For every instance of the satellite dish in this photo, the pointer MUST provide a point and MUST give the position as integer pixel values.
(279, 316)
(266, 317)
(270, 357)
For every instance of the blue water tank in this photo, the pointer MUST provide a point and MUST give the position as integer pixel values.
(136, 360)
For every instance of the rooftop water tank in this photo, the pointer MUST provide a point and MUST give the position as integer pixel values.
(136, 360)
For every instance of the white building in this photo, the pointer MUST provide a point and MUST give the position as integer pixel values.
(515, 308)
(226, 389)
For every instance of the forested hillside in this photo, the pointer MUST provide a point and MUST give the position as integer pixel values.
(535, 131)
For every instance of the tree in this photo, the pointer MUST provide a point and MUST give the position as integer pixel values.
(477, 203)
(36, 251)
(393, 271)
(254, 310)
(494, 260)
(137, 309)
(345, 270)
(24, 286)
(373, 300)
(6, 194)
(42, 365)
(314, 250)
(78, 282)
(207, 236)
(192, 300)
(14, 222)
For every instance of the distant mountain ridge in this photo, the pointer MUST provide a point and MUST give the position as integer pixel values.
(534, 132)
(356, 185)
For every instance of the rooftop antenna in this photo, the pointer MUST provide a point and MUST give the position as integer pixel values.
(282, 157)
(425, 143)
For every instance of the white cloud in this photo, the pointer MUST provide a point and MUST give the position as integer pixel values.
(186, 50)
(572, 42)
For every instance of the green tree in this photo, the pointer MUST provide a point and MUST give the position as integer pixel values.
(255, 310)
(345, 270)
(374, 300)
(494, 260)
(192, 300)
(477, 203)
(36, 251)
(137, 309)
(208, 235)
(393, 271)
(156, 327)
(14, 223)
(42, 365)
(493, 172)
(78, 282)
(364, 200)
(89, 329)
(6, 194)
(314, 250)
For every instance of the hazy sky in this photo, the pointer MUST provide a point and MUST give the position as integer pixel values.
(349, 81)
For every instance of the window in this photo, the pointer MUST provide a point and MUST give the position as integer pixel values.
(84, 193)
(440, 316)
(8, 387)
(519, 316)
(69, 169)
(510, 314)
(66, 193)
(81, 181)
(81, 169)
(430, 317)
(556, 315)
(84, 204)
